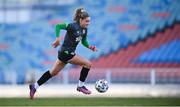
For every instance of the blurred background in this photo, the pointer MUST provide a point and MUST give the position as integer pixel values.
(138, 42)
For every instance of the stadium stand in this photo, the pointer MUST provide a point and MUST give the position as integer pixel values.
(158, 50)
(128, 33)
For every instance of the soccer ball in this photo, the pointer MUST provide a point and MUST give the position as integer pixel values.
(101, 85)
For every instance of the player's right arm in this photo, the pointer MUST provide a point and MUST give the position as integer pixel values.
(58, 29)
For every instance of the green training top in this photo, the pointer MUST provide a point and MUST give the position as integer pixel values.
(74, 34)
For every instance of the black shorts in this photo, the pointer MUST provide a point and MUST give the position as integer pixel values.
(65, 57)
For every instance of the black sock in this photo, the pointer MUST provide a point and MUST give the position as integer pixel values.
(83, 74)
(46, 76)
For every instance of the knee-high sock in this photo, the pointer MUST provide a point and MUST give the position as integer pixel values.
(45, 77)
(83, 74)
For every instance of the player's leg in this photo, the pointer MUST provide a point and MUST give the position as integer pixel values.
(58, 65)
(86, 65)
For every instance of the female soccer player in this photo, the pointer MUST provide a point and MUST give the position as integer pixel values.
(76, 32)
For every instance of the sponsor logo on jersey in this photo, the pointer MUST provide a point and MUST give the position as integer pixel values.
(78, 39)
(84, 31)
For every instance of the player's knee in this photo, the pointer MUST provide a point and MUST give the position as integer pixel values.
(54, 73)
(88, 64)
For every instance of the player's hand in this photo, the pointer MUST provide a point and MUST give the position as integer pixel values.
(93, 48)
(56, 43)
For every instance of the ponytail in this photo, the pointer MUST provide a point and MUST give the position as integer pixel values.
(80, 13)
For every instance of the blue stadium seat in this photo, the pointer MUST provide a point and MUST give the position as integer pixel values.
(167, 53)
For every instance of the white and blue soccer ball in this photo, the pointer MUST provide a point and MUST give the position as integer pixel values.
(101, 85)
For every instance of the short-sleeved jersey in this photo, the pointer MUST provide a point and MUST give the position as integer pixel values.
(75, 33)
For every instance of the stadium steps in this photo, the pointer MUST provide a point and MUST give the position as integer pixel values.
(124, 57)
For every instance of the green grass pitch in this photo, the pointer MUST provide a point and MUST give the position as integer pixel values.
(90, 102)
